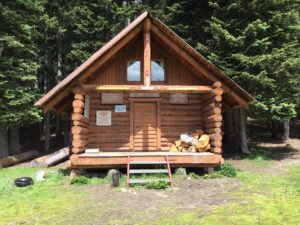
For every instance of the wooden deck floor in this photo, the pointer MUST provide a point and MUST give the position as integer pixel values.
(119, 159)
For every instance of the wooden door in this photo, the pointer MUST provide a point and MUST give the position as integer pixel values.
(145, 132)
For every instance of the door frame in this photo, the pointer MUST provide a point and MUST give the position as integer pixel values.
(158, 120)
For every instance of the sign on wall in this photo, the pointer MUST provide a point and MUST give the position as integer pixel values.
(86, 106)
(112, 98)
(179, 98)
(120, 108)
(103, 118)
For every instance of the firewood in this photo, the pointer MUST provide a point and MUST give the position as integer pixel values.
(203, 141)
(180, 149)
(173, 148)
(196, 135)
(204, 149)
(184, 145)
(192, 149)
(178, 143)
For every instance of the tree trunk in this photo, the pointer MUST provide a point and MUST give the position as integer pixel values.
(4, 150)
(67, 132)
(243, 131)
(14, 140)
(228, 127)
(47, 131)
(274, 129)
(58, 126)
(286, 130)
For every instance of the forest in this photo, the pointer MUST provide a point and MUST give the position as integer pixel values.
(255, 43)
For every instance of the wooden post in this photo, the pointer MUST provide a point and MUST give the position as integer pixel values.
(147, 53)
(212, 117)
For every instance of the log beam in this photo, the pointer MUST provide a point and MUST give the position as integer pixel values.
(147, 52)
(153, 88)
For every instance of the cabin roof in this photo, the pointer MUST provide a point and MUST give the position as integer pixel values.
(62, 90)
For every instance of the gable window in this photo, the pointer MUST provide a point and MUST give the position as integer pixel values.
(157, 70)
(134, 71)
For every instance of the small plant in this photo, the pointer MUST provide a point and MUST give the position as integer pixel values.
(79, 180)
(194, 175)
(213, 175)
(227, 170)
(157, 185)
(258, 154)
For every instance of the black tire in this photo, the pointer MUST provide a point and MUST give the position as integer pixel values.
(23, 181)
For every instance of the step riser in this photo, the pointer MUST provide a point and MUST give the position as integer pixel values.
(148, 171)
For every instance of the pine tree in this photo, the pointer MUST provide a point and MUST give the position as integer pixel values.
(18, 66)
(256, 43)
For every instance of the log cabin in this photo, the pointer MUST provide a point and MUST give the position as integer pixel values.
(136, 95)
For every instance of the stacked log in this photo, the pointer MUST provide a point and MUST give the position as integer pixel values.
(212, 117)
(193, 142)
(80, 124)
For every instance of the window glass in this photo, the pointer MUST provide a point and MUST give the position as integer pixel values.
(157, 70)
(134, 71)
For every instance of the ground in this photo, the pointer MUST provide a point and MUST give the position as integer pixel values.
(265, 191)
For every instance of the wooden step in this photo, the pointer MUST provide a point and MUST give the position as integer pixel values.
(140, 171)
(148, 162)
(144, 181)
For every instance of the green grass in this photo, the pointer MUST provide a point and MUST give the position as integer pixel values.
(52, 199)
(261, 200)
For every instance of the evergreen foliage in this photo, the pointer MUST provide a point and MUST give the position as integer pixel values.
(18, 61)
(256, 43)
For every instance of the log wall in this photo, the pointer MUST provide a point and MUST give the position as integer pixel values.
(175, 119)
(212, 117)
(80, 134)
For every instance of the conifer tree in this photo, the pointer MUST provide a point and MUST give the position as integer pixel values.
(256, 43)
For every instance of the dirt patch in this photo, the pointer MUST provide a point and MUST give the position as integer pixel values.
(187, 194)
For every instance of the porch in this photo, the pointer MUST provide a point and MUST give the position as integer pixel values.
(119, 159)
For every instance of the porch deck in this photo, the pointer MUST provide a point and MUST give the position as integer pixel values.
(119, 159)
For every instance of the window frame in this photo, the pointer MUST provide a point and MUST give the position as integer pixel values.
(165, 73)
(141, 70)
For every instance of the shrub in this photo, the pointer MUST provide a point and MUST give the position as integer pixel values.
(79, 180)
(158, 185)
(228, 170)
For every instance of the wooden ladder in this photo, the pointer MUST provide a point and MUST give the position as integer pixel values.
(148, 171)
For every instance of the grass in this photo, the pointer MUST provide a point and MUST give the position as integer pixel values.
(42, 203)
(261, 200)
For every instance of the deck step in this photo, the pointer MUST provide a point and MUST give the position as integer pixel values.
(140, 171)
(144, 181)
(148, 162)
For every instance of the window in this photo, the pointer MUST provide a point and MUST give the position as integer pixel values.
(157, 70)
(134, 71)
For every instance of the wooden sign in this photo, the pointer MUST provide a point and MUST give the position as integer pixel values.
(103, 118)
(86, 106)
(144, 95)
(112, 98)
(120, 108)
(179, 98)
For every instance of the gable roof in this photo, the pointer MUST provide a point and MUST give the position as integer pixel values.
(61, 90)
